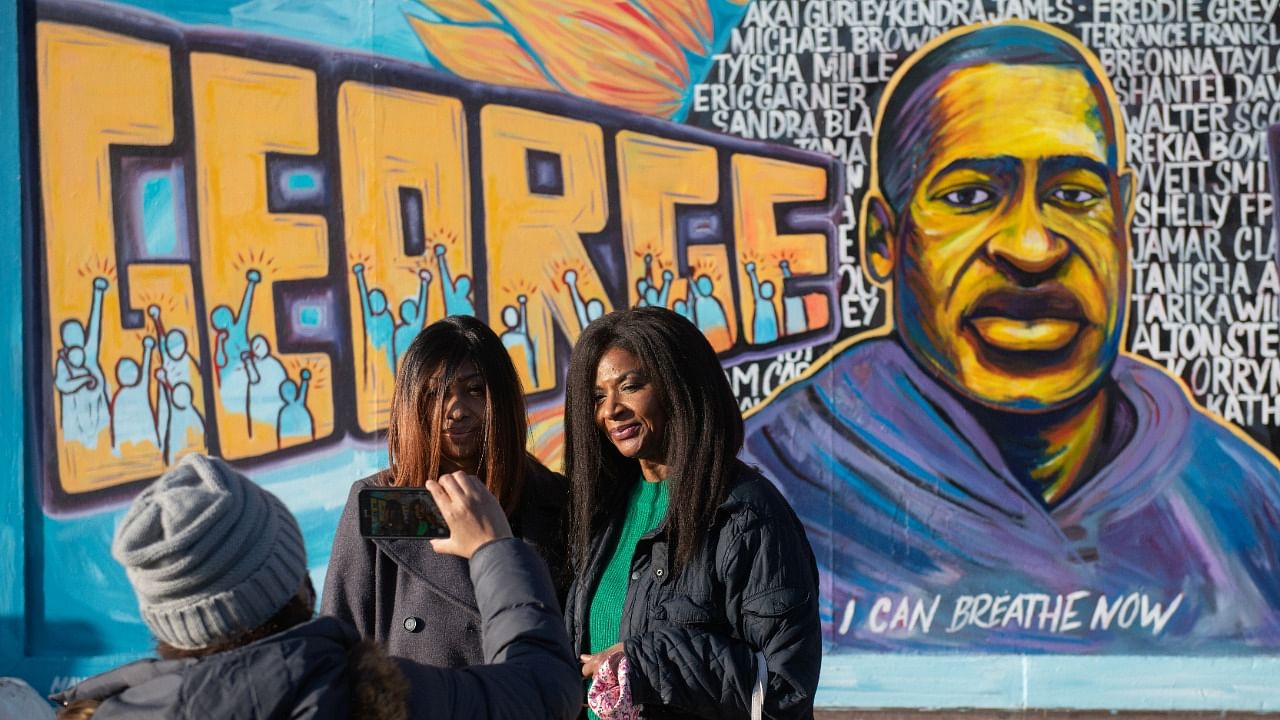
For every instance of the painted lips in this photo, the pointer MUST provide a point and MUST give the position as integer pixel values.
(1041, 319)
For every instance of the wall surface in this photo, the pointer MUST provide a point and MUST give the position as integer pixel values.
(1012, 352)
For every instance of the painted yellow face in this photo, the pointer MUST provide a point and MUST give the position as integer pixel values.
(1010, 257)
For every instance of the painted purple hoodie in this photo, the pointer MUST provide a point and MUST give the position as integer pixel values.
(926, 541)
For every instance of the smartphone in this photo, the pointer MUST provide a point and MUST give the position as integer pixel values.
(400, 513)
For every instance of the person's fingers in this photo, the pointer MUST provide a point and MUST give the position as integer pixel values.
(468, 485)
(451, 489)
(440, 495)
(475, 485)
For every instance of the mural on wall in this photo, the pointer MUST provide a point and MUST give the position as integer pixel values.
(251, 279)
(995, 281)
(994, 469)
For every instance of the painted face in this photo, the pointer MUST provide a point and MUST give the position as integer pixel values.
(176, 344)
(1010, 265)
(261, 348)
(462, 427)
(628, 408)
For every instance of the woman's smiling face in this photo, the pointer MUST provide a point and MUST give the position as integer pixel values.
(629, 407)
(462, 425)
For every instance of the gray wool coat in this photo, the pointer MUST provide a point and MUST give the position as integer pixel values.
(419, 604)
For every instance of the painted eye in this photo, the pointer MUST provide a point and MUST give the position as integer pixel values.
(1074, 195)
(968, 197)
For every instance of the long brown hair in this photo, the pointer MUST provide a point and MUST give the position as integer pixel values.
(427, 369)
(703, 429)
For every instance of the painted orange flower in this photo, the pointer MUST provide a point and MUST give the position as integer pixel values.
(632, 54)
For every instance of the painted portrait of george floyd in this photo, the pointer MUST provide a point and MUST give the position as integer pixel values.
(993, 469)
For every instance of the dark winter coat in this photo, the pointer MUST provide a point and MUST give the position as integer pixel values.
(319, 670)
(322, 670)
(419, 604)
(691, 639)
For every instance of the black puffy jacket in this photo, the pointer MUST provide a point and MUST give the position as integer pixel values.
(691, 639)
(321, 670)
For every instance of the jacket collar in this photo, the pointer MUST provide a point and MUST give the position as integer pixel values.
(444, 575)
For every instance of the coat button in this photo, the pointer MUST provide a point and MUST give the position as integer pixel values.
(413, 624)
(635, 575)
(658, 572)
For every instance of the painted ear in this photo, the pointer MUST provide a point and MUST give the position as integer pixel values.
(878, 245)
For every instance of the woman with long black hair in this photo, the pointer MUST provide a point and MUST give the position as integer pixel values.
(695, 586)
(458, 406)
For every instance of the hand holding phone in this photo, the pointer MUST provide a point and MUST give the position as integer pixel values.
(472, 512)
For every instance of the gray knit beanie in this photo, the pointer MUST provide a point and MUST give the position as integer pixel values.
(210, 554)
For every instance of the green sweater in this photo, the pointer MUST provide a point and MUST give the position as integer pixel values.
(645, 509)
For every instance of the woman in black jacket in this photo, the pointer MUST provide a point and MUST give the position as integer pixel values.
(694, 579)
(458, 406)
(214, 560)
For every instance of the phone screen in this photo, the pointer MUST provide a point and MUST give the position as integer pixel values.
(400, 513)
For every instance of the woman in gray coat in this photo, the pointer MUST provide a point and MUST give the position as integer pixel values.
(458, 406)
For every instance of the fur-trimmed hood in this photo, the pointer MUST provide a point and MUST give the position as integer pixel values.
(319, 670)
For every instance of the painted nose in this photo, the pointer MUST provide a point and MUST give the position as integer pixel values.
(1028, 250)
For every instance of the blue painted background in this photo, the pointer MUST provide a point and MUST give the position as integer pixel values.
(44, 637)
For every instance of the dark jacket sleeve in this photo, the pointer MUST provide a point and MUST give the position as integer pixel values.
(546, 510)
(529, 671)
(348, 583)
(771, 601)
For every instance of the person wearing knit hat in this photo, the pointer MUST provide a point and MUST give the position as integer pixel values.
(210, 554)
(219, 568)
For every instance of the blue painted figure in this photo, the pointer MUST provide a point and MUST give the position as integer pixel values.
(651, 298)
(579, 307)
(379, 324)
(794, 317)
(664, 295)
(175, 355)
(231, 330)
(764, 323)
(413, 316)
(457, 293)
(642, 292)
(295, 419)
(264, 392)
(132, 418)
(516, 338)
(586, 310)
(708, 313)
(176, 366)
(650, 293)
(78, 378)
(179, 424)
(681, 308)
